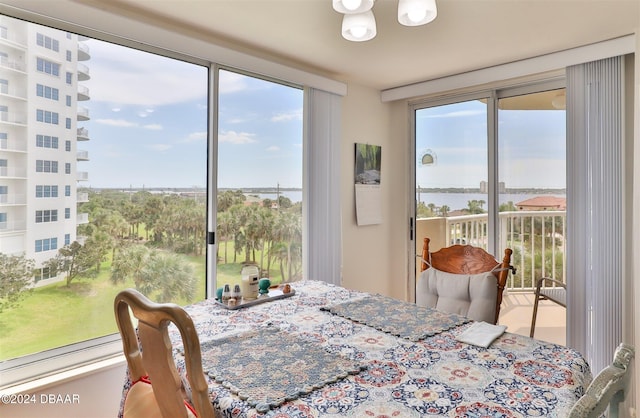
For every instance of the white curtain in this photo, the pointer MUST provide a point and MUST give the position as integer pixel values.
(322, 239)
(595, 205)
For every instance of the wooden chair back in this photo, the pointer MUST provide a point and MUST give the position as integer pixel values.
(467, 259)
(156, 361)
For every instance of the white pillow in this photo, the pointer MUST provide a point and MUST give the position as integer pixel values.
(470, 295)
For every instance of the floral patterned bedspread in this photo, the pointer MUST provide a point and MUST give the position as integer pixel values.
(437, 376)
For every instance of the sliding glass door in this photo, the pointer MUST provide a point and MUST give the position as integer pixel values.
(490, 171)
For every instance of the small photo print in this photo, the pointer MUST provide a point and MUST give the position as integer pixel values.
(368, 163)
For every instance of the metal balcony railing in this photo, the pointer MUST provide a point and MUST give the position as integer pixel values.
(537, 239)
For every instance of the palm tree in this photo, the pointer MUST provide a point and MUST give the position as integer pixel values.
(287, 230)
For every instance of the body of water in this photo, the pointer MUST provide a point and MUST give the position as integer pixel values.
(455, 201)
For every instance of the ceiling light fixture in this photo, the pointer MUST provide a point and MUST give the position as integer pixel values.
(359, 27)
(352, 6)
(359, 23)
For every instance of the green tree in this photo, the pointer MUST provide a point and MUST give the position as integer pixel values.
(128, 263)
(165, 277)
(74, 259)
(159, 275)
(16, 273)
(475, 206)
(507, 207)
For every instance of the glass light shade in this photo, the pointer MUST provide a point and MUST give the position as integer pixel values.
(559, 101)
(416, 12)
(359, 27)
(352, 6)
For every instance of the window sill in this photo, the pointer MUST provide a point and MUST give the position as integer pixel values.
(54, 366)
(61, 377)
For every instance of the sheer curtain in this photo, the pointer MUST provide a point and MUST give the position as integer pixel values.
(322, 237)
(595, 202)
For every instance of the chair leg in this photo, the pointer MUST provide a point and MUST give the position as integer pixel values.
(533, 318)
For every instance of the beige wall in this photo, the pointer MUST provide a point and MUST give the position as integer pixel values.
(373, 253)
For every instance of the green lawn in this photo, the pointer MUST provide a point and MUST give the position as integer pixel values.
(56, 315)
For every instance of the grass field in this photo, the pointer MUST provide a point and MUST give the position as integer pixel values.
(56, 315)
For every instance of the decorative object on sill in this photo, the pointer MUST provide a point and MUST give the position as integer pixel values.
(359, 23)
(226, 294)
(236, 293)
(263, 286)
(286, 288)
(274, 294)
(249, 282)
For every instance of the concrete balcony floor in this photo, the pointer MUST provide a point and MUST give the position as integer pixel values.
(516, 312)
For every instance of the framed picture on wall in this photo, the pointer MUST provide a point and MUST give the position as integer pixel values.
(367, 178)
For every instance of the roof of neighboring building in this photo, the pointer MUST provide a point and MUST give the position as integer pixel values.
(559, 203)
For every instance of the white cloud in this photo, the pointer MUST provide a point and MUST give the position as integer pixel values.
(195, 137)
(232, 82)
(457, 114)
(125, 76)
(273, 148)
(237, 137)
(153, 127)
(287, 116)
(116, 122)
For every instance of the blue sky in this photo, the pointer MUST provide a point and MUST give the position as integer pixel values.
(531, 146)
(148, 129)
(148, 124)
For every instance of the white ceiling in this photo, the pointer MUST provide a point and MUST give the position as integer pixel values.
(466, 35)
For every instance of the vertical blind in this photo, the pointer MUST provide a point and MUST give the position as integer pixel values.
(595, 202)
(322, 237)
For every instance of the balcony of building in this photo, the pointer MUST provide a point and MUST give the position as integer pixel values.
(83, 93)
(12, 226)
(82, 134)
(19, 173)
(82, 218)
(13, 199)
(539, 250)
(82, 197)
(83, 114)
(12, 92)
(13, 145)
(82, 176)
(13, 118)
(13, 38)
(13, 65)
(82, 155)
(83, 72)
(83, 52)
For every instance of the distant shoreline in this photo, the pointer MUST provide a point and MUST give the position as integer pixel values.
(266, 190)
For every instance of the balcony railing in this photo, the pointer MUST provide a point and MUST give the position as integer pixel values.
(537, 239)
(82, 218)
(82, 134)
(82, 197)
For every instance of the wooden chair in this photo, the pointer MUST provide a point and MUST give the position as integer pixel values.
(547, 289)
(470, 260)
(607, 390)
(157, 389)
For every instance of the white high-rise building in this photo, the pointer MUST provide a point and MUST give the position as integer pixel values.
(41, 75)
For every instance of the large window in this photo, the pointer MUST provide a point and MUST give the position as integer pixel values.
(137, 144)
